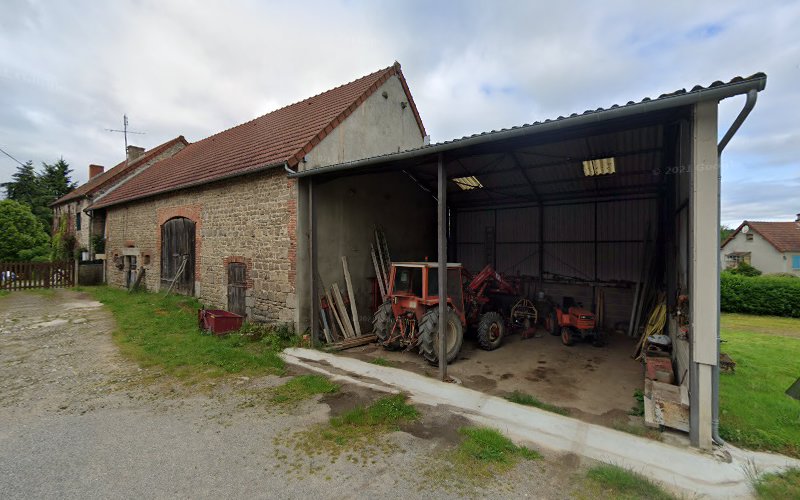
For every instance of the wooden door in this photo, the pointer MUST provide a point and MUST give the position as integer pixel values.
(237, 285)
(177, 255)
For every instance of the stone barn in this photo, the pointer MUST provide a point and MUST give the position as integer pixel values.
(219, 219)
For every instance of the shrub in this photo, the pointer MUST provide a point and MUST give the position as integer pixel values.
(764, 295)
(745, 269)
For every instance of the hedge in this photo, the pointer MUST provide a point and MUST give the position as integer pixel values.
(764, 295)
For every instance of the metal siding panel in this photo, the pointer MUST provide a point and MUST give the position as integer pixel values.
(625, 220)
(570, 259)
(471, 256)
(518, 258)
(518, 224)
(569, 223)
(471, 226)
(619, 261)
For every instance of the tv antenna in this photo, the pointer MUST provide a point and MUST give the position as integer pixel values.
(125, 132)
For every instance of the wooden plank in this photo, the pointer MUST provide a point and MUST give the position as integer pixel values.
(381, 259)
(348, 328)
(378, 273)
(325, 329)
(357, 341)
(332, 308)
(353, 308)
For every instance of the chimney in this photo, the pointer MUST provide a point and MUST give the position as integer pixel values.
(798, 218)
(134, 152)
(95, 170)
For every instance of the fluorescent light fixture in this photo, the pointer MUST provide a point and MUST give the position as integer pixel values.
(600, 166)
(468, 183)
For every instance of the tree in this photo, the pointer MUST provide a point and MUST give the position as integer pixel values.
(22, 236)
(25, 187)
(724, 232)
(55, 181)
(37, 190)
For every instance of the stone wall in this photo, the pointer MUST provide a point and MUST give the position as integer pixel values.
(251, 220)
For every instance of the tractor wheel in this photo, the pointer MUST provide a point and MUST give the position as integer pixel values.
(429, 336)
(382, 324)
(551, 323)
(491, 330)
(566, 336)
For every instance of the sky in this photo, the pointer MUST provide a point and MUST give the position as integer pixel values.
(70, 70)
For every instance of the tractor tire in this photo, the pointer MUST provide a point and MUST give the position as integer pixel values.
(491, 330)
(382, 324)
(429, 336)
(566, 336)
(551, 323)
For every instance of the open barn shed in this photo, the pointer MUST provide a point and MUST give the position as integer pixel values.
(613, 209)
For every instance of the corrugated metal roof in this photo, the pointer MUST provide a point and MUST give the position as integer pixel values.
(681, 97)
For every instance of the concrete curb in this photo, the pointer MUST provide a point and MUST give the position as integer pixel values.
(721, 475)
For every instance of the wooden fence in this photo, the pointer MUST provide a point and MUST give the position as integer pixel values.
(26, 275)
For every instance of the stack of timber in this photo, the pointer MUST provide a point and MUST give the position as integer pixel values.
(382, 262)
(339, 314)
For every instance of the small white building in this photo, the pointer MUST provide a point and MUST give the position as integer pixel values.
(770, 247)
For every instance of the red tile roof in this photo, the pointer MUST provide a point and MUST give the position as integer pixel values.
(283, 136)
(784, 236)
(113, 174)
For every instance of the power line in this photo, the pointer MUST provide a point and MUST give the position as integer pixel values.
(7, 154)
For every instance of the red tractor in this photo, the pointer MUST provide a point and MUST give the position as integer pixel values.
(573, 322)
(409, 317)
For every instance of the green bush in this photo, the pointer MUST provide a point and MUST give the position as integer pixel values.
(745, 269)
(763, 295)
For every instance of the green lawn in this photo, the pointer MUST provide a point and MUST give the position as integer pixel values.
(755, 412)
(161, 331)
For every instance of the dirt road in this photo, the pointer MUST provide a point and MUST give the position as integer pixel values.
(80, 421)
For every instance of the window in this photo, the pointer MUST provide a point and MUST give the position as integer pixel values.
(468, 183)
(749, 236)
(408, 280)
(78, 221)
(795, 261)
(599, 166)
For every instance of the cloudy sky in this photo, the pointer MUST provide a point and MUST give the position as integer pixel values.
(70, 70)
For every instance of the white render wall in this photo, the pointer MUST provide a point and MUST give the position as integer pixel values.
(378, 126)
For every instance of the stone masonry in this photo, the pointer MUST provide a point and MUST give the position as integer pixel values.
(251, 219)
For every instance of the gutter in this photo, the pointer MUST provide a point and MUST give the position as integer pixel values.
(718, 93)
(749, 104)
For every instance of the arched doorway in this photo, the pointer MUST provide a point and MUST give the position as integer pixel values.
(177, 255)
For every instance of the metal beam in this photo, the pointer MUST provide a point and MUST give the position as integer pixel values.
(442, 270)
(312, 256)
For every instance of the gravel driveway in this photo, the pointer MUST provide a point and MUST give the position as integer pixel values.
(80, 421)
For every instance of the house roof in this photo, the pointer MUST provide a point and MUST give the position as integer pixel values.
(784, 236)
(99, 181)
(716, 90)
(283, 136)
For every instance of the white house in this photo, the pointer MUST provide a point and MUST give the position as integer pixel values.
(771, 247)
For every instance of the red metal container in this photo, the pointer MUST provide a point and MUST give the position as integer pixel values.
(219, 322)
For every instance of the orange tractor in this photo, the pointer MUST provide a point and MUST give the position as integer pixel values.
(573, 322)
(409, 318)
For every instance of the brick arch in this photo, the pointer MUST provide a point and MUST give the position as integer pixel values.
(193, 213)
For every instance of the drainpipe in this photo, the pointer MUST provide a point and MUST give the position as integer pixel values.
(749, 104)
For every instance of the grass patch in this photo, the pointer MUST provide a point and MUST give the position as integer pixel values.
(637, 430)
(3, 293)
(302, 387)
(478, 462)
(158, 330)
(755, 412)
(526, 399)
(381, 362)
(355, 436)
(637, 410)
(610, 481)
(490, 448)
(783, 485)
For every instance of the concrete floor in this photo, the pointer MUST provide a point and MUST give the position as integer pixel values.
(595, 383)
